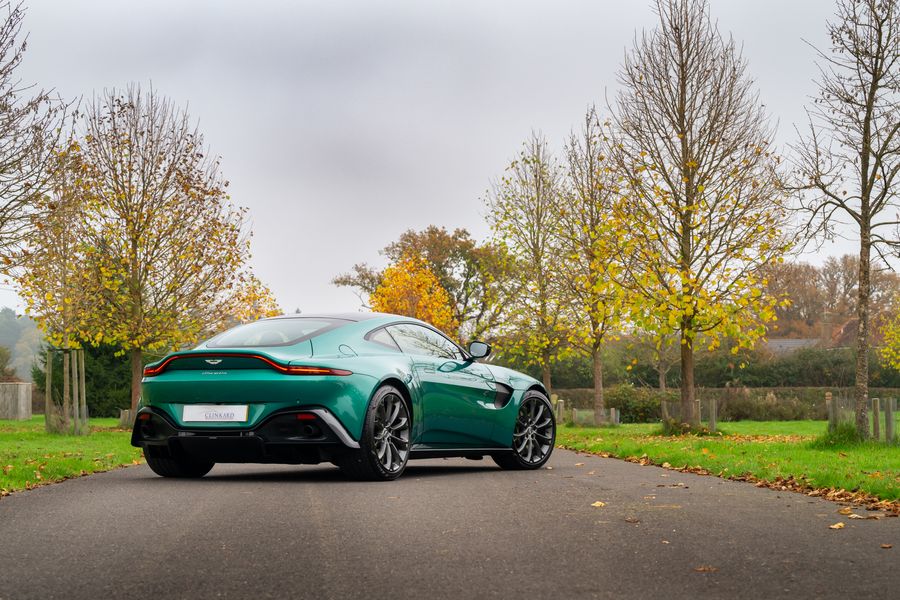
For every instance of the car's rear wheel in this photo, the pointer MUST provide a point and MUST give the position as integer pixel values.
(181, 467)
(533, 436)
(384, 447)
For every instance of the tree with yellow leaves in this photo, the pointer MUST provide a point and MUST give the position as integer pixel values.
(408, 287)
(524, 213)
(702, 213)
(51, 280)
(163, 245)
(586, 231)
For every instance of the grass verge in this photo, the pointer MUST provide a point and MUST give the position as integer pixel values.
(30, 457)
(785, 452)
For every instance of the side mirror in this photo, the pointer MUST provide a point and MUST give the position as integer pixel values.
(479, 349)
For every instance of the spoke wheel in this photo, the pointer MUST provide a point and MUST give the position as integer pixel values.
(385, 443)
(392, 433)
(533, 436)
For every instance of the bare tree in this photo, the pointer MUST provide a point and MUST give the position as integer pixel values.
(29, 131)
(849, 159)
(703, 212)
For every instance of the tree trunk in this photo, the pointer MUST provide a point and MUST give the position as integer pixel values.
(599, 404)
(688, 414)
(76, 394)
(84, 413)
(662, 375)
(49, 425)
(66, 409)
(545, 371)
(862, 335)
(137, 373)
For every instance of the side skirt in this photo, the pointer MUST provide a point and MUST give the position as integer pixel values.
(473, 453)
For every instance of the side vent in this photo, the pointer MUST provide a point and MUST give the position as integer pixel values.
(504, 393)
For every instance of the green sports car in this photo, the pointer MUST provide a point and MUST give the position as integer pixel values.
(366, 391)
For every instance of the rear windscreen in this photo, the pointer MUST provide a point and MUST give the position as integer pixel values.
(275, 332)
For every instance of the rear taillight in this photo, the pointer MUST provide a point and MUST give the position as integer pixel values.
(286, 369)
(299, 370)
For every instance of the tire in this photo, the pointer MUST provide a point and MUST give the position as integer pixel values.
(533, 436)
(182, 468)
(384, 446)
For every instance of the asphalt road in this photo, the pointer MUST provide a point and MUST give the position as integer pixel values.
(447, 529)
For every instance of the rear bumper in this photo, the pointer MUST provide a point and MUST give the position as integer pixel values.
(280, 438)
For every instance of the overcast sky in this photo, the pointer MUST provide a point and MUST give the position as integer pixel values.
(342, 124)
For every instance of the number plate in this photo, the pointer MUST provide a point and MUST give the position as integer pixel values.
(214, 413)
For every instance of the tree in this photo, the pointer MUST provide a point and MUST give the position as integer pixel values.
(164, 246)
(52, 282)
(584, 228)
(849, 159)
(475, 275)
(409, 288)
(29, 131)
(800, 283)
(7, 373)
(523, 210)
(702, 212)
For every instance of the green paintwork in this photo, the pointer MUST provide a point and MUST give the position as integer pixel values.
(452, 401)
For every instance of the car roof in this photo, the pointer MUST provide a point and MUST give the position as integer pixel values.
(348, 316)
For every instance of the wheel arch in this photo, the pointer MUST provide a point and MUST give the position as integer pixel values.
(398, 383)
(537, 387)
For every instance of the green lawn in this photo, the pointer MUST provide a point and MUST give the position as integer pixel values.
(765, 450)
(29, 456)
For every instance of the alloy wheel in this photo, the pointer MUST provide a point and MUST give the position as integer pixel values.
(391, 433)
(533, 437)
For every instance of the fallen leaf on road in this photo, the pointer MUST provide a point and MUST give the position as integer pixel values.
(665, 541)
(837, 525)
(666, 465)
(590, 472)
(549, 468)
(846, 510)
(579, 464)
(864, 517)
(705, 569)
(632, 520)
(599, 504)
(887, 546)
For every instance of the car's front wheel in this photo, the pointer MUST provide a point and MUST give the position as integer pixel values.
(182, 467)
(384, 446)
(533, 436)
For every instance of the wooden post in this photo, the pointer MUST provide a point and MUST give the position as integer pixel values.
(876, 419)
(713, 414)
(889, 406)
(560, 410)
(832, 411)
(613, 415)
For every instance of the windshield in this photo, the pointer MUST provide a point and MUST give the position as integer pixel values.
(275, 332)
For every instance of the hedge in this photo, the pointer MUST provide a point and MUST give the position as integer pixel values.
(642, 404)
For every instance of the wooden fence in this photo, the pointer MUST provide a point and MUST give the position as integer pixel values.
(882, 415)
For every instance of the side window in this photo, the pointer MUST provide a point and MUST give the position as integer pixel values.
(382, 337)
(415, 339)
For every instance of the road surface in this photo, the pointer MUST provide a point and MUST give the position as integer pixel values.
(446, 529)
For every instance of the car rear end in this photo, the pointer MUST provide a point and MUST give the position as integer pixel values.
(233, 400)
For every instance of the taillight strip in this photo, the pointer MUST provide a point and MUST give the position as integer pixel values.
(287, 369)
